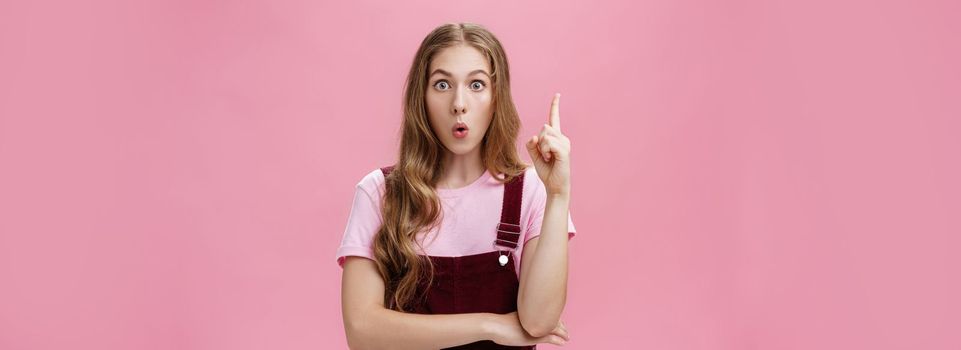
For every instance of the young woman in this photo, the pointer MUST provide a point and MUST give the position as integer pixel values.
(460, 244)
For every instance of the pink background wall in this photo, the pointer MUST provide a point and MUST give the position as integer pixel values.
(747, 174)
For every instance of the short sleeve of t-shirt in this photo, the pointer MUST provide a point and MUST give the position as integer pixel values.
(538, 205)
(364, 219)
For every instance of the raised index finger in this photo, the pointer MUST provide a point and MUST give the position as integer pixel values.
(555, 117)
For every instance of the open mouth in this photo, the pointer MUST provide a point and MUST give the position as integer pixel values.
(460, 130)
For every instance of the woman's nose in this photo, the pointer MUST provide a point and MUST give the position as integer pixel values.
(459, 106)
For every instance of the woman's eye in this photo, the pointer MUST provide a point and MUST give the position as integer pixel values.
(477, 85)
(441, 85)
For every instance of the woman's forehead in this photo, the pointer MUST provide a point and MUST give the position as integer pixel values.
(459, 60)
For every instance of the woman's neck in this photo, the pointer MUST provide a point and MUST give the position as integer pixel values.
(461, 170)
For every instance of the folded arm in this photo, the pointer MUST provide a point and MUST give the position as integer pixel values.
(370, 325)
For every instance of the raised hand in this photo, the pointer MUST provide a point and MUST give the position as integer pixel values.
(550, 151)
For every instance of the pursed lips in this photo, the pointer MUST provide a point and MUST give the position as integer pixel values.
(460, 130)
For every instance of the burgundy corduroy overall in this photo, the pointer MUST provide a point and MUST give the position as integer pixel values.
(485, 282)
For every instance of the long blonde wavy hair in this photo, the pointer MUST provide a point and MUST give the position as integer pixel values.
(410, 203)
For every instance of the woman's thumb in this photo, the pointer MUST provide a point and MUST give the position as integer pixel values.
(532, 148)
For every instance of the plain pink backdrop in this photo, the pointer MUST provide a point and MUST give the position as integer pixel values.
(747, 174)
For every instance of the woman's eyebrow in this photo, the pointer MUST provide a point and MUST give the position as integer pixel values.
(444, 72)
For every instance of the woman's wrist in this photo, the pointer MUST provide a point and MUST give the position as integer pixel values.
(489, 324)
(559, 196)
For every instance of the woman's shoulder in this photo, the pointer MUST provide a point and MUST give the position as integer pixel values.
(531, 180)
(533, 186)
(373, 183)
(529, 173)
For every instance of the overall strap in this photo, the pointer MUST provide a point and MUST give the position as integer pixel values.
(509, 229)
(386, 170)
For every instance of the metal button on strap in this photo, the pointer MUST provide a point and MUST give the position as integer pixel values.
(503, 260)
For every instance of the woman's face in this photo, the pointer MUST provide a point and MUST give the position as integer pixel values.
(459, 97)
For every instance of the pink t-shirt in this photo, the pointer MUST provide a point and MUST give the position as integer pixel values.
(468, 223)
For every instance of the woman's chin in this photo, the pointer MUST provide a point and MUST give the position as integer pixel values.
(461, 149)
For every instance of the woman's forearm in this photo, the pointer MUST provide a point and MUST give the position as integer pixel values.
(383, 328)
(543, 290)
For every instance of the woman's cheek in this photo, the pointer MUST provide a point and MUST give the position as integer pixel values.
(486, 97)
(488, 106)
